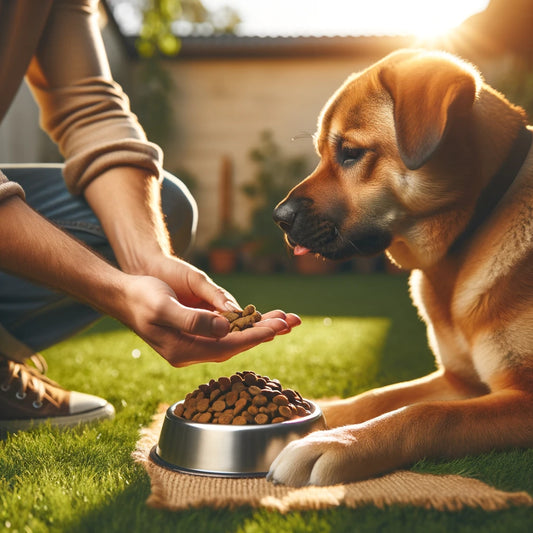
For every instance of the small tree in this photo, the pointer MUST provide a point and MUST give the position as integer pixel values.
(158, 35)
(152, 90)
(517, 85)
(276, 174)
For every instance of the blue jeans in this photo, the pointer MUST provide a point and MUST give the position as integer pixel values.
(33, 317)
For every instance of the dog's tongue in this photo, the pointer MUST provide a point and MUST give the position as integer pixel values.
(300, 250)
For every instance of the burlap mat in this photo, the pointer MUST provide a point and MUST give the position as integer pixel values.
(176, 491)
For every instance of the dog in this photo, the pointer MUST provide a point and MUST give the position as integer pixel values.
(422, 160)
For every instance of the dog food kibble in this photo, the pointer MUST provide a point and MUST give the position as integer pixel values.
(242, 319)
(245, 398)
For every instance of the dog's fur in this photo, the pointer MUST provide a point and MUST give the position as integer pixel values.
(406, 149)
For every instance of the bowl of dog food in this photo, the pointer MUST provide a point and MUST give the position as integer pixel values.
(234, 426)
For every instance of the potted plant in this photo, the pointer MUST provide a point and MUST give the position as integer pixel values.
(224, 251)
(264, 248)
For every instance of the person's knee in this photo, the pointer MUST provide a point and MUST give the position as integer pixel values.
(181, 213)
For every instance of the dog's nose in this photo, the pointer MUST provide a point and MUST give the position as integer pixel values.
(284, 214)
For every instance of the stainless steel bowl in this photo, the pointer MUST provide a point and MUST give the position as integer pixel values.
(227, 450)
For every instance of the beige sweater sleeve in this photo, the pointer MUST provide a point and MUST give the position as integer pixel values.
(9, 188)
(83, 110)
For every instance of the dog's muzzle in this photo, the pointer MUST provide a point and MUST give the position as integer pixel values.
(306, 227)
(285, 215)
(302, 225)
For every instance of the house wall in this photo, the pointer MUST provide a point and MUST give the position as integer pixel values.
(21, 139)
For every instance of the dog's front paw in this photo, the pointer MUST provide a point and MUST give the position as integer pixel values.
(321, 458)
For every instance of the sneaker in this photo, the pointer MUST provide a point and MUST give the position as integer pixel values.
(28, 398)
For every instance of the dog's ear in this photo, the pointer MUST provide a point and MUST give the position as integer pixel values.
(428, 91)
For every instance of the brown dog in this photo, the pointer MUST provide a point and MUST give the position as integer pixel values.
(421, 158)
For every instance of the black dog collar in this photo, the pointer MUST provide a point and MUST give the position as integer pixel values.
(497, 187)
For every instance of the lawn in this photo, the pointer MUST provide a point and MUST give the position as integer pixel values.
(358, 332)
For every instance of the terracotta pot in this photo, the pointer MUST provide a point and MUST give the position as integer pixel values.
(310, 264)
(222, 260)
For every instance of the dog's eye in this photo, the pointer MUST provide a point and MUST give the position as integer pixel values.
(350, 156)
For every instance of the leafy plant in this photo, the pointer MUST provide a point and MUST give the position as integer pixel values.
(517, 85)
(158, 35)
(276, 174)
(153, 90)
(152, 100)
(229, 239)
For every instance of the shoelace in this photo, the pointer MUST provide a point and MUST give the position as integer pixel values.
(17, 372)
(39, 362)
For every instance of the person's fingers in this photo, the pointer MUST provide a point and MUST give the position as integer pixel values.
(278, 325)
(291, 319)
(193, 321)
(278, 313)
(182, 350)
(207, 290)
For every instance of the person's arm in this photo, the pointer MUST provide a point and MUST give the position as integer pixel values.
(108, 158)
(135, 228)
(132, 221)
(82, 108)
(33, 248)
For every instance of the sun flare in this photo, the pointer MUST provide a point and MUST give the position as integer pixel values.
(421, 18)
(426, 19)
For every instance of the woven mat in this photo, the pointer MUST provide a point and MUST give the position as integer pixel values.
(176, 491)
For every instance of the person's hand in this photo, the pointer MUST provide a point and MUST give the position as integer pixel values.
(184, 335)
(192, 286)
(172, 305)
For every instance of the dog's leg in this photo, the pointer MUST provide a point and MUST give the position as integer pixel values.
(440, 385)
(434, 429)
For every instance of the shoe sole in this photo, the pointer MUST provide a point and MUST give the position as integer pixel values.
(102, 413)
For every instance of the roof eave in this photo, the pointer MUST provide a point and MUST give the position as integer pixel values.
(244, 47)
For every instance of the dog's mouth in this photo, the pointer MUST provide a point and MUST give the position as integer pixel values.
(318, 239)
(312, 235)
(343, 248)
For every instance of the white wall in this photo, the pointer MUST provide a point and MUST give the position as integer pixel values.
(222, 107)
(21, 140)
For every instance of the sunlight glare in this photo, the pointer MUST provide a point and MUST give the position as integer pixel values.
(432, 19)
(421, 18)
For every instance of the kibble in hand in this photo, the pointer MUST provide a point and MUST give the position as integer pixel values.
(245, 398)
(240, 320)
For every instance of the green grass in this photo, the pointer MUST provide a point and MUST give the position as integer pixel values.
(358, 332)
